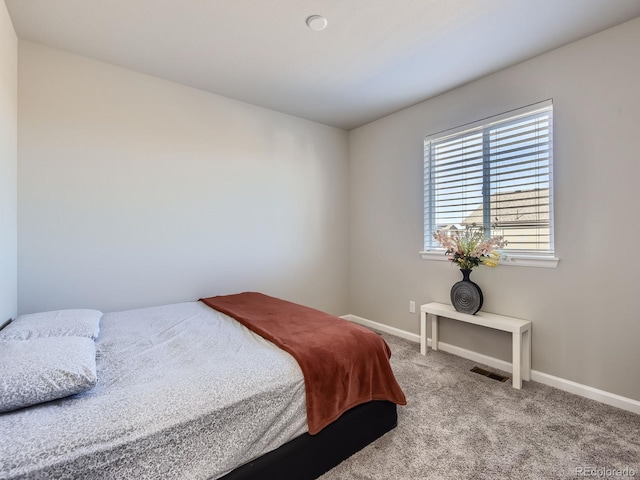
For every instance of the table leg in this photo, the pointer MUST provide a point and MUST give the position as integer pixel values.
(526, 356)
(423, 333)
(434, 332)
(517, 360)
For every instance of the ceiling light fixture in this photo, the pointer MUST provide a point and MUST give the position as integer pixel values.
(317, 22)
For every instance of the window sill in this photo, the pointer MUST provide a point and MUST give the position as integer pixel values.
(512, 260)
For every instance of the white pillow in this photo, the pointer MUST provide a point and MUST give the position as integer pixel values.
(43, 369)
(59, 323)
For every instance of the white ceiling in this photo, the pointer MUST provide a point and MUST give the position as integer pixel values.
(374, 58)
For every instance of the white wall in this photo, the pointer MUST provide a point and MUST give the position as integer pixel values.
(8, 166)
(586, 312)
(135, 191)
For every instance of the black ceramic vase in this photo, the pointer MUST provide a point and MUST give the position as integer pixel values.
(466, 296)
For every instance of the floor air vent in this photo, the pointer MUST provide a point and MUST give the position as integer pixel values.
(487, 373)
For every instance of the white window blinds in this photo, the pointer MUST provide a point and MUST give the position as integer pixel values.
(496, 173)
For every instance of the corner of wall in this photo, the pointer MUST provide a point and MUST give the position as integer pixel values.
(8, 166)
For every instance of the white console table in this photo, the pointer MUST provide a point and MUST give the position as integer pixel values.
(520, 331)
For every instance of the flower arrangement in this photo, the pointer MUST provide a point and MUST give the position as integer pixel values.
(470, 247)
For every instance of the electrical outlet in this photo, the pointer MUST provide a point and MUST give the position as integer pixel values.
(412, 306)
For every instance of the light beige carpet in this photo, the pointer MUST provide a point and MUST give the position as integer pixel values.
(461, 425)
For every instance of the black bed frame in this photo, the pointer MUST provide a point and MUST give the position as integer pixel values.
(309, 456)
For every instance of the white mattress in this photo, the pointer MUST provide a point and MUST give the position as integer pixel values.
(183, 392)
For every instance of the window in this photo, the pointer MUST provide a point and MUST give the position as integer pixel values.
(496, 173)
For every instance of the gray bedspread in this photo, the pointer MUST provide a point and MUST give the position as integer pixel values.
(183, 392)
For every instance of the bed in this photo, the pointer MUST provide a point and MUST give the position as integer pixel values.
(185, 391)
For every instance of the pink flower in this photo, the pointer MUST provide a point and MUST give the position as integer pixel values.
(470, 247)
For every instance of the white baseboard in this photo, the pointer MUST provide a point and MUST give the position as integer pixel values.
(383, 328)
(586, 391)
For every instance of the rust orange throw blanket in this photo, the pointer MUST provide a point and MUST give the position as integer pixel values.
(343, 364)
